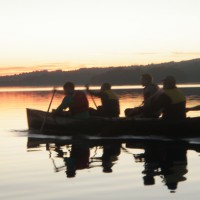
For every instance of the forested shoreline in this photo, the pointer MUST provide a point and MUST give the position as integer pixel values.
(184, 71)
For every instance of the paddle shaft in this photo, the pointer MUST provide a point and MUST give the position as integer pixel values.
(94, 101)
(87, 88)
(45, 118)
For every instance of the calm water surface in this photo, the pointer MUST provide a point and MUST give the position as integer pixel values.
(44, 167)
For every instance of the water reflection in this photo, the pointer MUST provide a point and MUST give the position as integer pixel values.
(109, 156)
(108, 169)
(76, 153)
(78, 158)
(163, 159)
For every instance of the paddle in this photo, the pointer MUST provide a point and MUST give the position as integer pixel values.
(45, 118)
(87, 88)
(194, 108)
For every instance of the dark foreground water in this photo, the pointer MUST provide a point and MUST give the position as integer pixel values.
(53, 167)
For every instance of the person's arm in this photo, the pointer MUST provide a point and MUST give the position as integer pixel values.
(149, 91)
(156, 102)
(162, 102)
(66, 103)
(97, 94)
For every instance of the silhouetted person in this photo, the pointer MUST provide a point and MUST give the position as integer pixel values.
(149, 90)
(76, 101)
(109, 100)
(170, 101)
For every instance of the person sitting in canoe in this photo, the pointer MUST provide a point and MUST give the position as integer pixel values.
(170, 100)
(76, 101)
(149, 89)
(110, 102)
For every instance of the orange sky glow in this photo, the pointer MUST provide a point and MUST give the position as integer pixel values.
(67, 35)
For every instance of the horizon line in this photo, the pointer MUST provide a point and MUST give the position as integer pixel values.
(35, 69)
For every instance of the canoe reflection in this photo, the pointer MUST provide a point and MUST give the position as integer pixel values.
(109, 156)
(79, 158)
(164, 159)
(76, 153)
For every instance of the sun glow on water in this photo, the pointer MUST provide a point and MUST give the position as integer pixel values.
(115, 87)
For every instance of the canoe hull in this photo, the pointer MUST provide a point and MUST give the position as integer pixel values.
(66, 125)
(112, 126)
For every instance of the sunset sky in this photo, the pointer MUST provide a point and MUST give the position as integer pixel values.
(70, 34)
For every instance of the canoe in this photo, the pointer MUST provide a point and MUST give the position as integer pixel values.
(66, 125)
(102, 126)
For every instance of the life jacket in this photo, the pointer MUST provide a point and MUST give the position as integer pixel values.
(110, 103)
(175, 95)
(177, 108)
(80, 103)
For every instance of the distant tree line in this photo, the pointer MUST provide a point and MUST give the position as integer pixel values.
(184, 71)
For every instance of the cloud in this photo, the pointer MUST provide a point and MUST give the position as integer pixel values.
(186, 53)
(146, 53)
(48, 66)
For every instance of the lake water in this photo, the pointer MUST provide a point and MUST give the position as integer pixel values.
(42, 167)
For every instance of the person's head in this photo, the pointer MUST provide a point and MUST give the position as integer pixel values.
(148, 180)
(105, 86)
(169, 82)
(107, 169)
(68, 87)
(70, 174)
(172, 186)
(146, 79)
